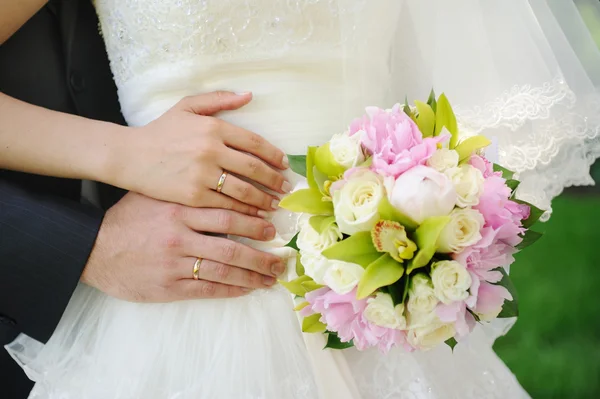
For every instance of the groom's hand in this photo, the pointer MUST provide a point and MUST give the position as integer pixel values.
(146, 250)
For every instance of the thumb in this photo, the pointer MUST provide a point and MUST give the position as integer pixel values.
(211, 103)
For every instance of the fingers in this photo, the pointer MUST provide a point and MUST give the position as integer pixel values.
(212, 199)
(211, 103)
(255, 169)
(245, 192)
(202, 289)
(243, 140)
(228, 252)
(225, 274)
(222, 221)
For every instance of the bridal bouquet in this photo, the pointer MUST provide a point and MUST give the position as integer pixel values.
(406, 232)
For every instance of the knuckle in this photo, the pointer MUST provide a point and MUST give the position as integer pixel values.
(174, 212)
(256, 142)
(244, 192)
(251, 279)
(212, 125)
(263, 263)
(208, 289)
(224, 220)
(254, 166)
(222, 271)
(172, 241)
(233, 291)
(229, 251)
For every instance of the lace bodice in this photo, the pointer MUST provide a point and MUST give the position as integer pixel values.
(141, 35)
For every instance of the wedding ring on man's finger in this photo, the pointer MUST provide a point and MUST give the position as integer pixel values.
(222, 181)
(196, 271)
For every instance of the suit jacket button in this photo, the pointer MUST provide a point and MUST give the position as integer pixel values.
(77, 82)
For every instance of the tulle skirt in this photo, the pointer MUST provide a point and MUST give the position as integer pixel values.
(243, 348)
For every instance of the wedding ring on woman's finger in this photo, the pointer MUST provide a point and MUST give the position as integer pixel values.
(196, 270)
(221, 181)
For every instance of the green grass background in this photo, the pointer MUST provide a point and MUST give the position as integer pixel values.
(554, 349)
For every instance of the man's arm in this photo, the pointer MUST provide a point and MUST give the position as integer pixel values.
(44, 245)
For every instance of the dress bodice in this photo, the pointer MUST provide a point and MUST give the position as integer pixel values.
(287, 52)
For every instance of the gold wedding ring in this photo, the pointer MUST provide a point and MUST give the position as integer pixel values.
(196, 271)
(222, 181)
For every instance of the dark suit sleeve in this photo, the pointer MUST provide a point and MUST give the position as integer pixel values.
(45, 242)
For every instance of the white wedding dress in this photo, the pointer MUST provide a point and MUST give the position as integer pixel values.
(312, 65)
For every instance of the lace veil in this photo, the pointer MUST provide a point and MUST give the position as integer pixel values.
(526, 72)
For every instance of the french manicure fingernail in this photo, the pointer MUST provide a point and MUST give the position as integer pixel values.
(285, 161)
(269, 232)
(275, 204)
(244, 289)
(286, 187)
(268, 280)
(263, 214)
(278, 268)
(242, 93)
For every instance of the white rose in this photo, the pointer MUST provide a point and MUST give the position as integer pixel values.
(311, 243)
(462, 231)
(430, 336)
(346, 150)
(423, 192)
(310, 240)
(443, 159)
(468, 183)
(382, 312)
(342, 277)
(421, 296)
(356, 203)
(451, 281)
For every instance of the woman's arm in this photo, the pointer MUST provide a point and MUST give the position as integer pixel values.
(14, 13)
(39, 141)
(179, 157)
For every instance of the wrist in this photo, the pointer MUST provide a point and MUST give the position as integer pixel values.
(110, 162)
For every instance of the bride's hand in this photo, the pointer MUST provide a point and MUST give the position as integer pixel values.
(181, 156)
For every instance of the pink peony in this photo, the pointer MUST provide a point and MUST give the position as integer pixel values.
(456, 313)
(344, 315)
(488, 254)
(490, 299)
(500, 212)
(394, 140)
(484, 166)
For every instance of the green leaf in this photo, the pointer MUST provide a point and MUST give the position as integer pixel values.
(506, 174)
(399, 290)
(295, 286)
(334, 342)
(388, 212)
(358, 248)
(293, 243)
(406, 108)
(426, 237)
(529, 238)
(301, 306)
(312, 324)
(431, 101)
(451, 343)
(513, 184)
(444, 117)
(310, 286)
(510, 308)
(468, 146)
(383, 272)
(326, 163)
(307, 200)
(310, 166)
(299, 266)
(320, 222)
(534, 215)
(426, 119)
(298, 164)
